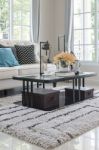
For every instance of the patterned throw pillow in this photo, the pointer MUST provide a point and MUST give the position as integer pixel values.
(25, 54)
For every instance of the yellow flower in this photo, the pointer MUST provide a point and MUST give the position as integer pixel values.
(69, 58)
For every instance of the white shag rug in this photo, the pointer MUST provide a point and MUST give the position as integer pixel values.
(10, 100)
(49, 129)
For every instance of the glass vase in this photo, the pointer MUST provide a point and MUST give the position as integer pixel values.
(64, 67)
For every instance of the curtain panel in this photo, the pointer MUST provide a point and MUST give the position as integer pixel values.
(35, 23)
(68, 24)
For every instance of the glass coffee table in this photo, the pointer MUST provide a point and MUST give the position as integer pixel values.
(34, 97)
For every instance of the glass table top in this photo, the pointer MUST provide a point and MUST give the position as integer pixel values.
(54, 77)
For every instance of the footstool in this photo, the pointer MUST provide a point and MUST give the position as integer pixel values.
(45, 99)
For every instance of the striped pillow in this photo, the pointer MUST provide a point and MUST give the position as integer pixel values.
(25, 54)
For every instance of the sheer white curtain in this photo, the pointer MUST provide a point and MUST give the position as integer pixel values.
(35, 20)
(68, 24)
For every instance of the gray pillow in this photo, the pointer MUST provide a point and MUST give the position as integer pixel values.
(25, 54)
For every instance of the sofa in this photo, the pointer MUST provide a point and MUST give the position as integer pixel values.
(7, 73)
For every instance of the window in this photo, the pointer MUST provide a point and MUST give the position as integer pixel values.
(86, 29)
(4, 19)
(15, 19)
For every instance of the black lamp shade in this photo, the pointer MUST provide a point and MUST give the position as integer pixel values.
(45, 46)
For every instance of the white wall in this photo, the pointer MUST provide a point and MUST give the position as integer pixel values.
(58, 20)
(46, 20)
(52, 21)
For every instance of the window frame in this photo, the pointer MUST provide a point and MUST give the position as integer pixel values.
(11, 23)
(96, 45)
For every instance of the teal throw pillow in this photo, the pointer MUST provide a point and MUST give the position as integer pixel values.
(7, 58)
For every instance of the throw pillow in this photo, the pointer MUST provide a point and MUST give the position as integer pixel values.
(7, 58)
(25, 54)
(12, 47)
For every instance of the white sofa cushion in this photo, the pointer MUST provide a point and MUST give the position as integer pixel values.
(28, 69)
(9, 84)
(8, 72)
(31, 69)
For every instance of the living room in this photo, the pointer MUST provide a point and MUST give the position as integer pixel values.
(50, 110)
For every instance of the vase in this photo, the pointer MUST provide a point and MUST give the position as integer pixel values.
(63, 64)
(76, 66)
(63, 67)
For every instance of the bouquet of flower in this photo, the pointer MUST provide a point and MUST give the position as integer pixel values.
(65, 58)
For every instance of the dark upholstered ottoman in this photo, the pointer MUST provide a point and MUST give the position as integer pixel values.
(85, 93)
(45, 99)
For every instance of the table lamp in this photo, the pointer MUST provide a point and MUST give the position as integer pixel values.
(43, 46)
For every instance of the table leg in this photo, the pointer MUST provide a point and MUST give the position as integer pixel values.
(27, 86)
(25, 93)
(83, 82)
(31, 87)
(79, 85)
(44, 85)
(54, 84)
(23, 86)
(37, 84)
(75, 82)
(73, 90)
